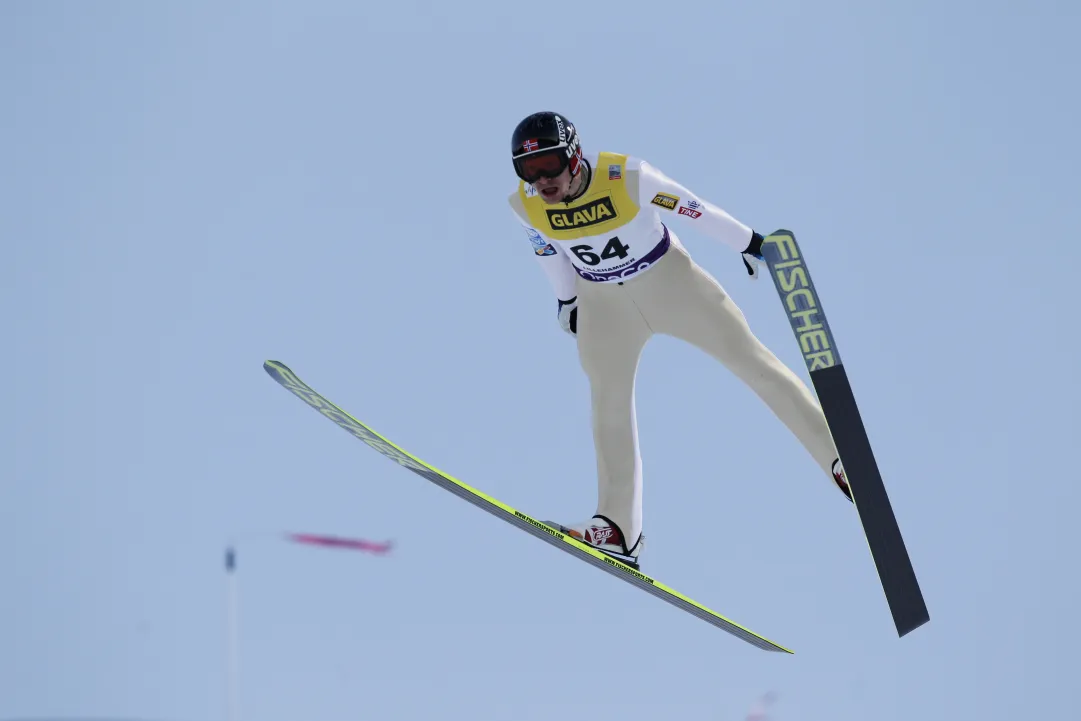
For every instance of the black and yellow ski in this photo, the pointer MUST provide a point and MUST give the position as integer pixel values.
(792, 279)
(290, 381)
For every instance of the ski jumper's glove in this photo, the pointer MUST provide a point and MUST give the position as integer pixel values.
(568, 315)
(752, 256)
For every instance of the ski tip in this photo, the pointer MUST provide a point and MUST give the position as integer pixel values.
(278, 370)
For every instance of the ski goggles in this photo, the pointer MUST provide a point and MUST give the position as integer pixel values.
(548, 163)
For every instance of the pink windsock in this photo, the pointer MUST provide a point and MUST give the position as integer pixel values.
(354, 544)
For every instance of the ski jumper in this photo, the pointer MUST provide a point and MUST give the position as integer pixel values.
(613, 250)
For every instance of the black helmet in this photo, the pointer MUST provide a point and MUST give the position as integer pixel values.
(543, 145)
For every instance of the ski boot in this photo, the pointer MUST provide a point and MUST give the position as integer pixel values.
(604, 535)
(841, 480)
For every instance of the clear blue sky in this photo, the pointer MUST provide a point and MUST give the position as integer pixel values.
(188, 189)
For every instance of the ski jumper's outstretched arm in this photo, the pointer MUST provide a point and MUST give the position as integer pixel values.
(704, 215)
(707, 217)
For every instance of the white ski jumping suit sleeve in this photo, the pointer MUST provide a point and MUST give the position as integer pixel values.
(706, 216)
(556, 265)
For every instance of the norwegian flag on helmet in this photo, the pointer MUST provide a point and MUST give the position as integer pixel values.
(530, 145)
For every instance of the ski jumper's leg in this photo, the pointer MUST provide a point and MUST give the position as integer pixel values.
(679, 298)
(611, 335)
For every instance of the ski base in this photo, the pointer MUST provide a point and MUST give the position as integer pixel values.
(289, 380)
(803, 307)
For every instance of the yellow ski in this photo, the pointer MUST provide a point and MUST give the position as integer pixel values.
(283, 375)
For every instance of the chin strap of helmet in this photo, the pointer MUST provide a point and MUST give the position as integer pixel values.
(584, 171)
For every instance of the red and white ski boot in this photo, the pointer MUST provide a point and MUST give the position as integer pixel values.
(605, 536)
(841, 480)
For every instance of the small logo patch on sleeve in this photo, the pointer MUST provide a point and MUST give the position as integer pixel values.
(540, 245)
(691, 208)
(666, 201)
